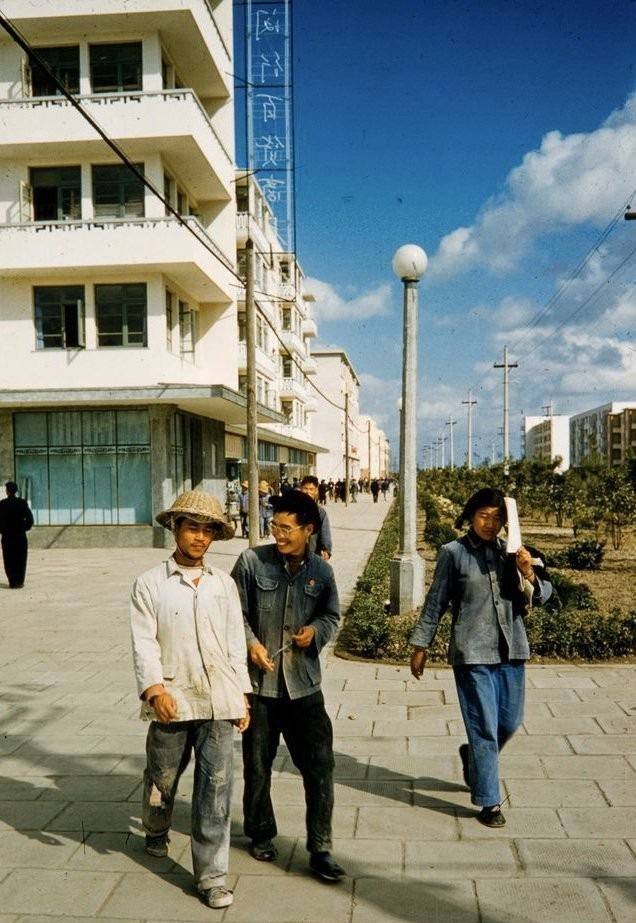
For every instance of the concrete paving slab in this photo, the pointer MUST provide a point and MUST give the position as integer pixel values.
(422, 727)
(619, 791)
(97, 817)
(521, 767)
(373, 712)
(429, 697)
(359, 858)
(568, 680)
(350, 725)
(47, 919)
(441, 745)
(587, 767)
(154, 897)
(599, 822)
(553, 793)
(241, 863)
(607, 743)
(464, 859)
(576, 858)
(625, 725)
(562, 726)
(27, 815)
(547, 899)
(443, 769)
(90, 788)
(403, 823)
(124, 852)
(364, 683)
(537, 743)
(293, 898)
(592, 709)
(620, 894)
(58, 892)
(23, 790)
(560, 694)
(521, 823)
(414, 901)
(369, 746)
(421, 712)
(35, 850)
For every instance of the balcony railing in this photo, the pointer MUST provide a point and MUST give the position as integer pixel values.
(117, 224)
(109, 99)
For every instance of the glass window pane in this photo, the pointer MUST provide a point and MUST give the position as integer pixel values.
(65, 428)
(133, 427)
(98, 427)
(31, 470)
(116, 68)
(29, 429)
(64, 62)
(100, 485)
(65, 479)
(133, 478)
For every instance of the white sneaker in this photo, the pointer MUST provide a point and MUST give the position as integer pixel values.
(217, 898)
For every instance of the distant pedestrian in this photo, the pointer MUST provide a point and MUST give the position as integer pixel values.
(384, 487)
(489, 593)
(264, 508)
(322, 492)
(353, 490)
(330, 488)
(244, 510)
(375, 490)
(190, 663)
(320, 542)
(15, 521)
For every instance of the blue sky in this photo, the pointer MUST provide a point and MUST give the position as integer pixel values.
(501, 137)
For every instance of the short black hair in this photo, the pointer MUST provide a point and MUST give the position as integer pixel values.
(487, 496)
(12, 487)
(309, 479)
(301, 505)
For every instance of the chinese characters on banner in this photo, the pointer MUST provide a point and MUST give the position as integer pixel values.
(270, 141)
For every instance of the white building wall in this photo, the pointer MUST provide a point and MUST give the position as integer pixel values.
(335, 378)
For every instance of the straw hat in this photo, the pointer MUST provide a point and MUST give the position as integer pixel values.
(200, 507)
(245, 484)
(264, 487)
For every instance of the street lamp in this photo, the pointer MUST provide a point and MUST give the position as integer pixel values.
(407, 568)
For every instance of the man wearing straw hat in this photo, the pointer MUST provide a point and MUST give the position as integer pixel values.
(190, 663)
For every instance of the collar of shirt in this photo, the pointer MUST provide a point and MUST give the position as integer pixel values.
(477, 542)
(174, 568)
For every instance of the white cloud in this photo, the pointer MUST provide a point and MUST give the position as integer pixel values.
(569, 180)
(331, 305)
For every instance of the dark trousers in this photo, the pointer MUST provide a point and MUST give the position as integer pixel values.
(307, 731)
(14, 558)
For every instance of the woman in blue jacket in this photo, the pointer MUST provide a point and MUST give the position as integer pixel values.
(489, 593)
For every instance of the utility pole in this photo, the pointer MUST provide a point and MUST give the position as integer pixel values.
(506, 366)
(252, 428)
(442, 440)
(469, 450)
(451, 423)
(346, 413)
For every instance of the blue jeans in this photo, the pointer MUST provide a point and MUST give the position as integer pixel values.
(491, 699)
(168, 750)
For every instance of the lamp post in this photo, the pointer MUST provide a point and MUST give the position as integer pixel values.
(407, 568)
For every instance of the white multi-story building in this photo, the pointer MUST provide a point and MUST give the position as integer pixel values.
(284, 330)
(119, 350)
(337, 379)
(375, 449)
(547, 438)
(608, 431)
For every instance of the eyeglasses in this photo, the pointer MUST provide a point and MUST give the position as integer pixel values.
(283, 530)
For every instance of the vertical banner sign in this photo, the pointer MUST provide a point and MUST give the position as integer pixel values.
(270, 127)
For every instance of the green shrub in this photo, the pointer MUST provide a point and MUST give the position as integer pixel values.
(570, 595)
(438, 534)
(581, 633)
(584, 555)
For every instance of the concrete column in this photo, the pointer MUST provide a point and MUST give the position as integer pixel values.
(7, 461)
(160, 416)
(151, 54)
(85, 69)
(88, 211)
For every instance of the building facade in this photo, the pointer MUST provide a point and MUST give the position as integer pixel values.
(547, 438)
(336, 378)
(609, 431)
(375, 450)
(119, 349)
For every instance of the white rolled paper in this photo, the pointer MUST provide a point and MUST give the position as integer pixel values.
(513, 528)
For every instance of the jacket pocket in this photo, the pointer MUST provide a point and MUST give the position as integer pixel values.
(265, 592)
(311, 594)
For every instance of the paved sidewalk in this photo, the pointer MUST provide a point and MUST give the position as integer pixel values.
(71, 755)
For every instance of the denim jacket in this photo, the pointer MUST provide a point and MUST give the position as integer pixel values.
(276, 604)
(469, 577)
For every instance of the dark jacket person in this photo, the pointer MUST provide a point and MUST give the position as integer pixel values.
(15, 521)
(291, 610)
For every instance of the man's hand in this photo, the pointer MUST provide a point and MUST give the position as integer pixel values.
(304, 637)
(164, 706)
(260, 658)
(524, 563)
(325, 555)
(418, 661)
(243, 723)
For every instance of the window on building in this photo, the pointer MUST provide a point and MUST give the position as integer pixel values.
(117, 192)
(56, 193)
(187, 330)
(64, 62)
(121, 314)
(287, 409)
(242, 199)
(242, 332)
(283, 268)
(242, 384)
(287, 318)
(168, 190)
(241, 264)
(288, 367)
(267, 451)
(59, 316)
(116, 68)
(170, 319)
(84, 467)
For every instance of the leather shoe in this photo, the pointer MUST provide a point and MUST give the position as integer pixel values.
(324, 866)
(491, 816)
(463, 755)
(263, 851)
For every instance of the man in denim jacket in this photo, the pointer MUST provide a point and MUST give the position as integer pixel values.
(291, 611)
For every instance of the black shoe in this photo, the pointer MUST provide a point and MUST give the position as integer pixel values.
(157, 846)
(463, 755)
(491, 816)
(263, 851)
(325, 867)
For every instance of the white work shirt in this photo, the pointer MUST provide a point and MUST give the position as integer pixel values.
(191, 639)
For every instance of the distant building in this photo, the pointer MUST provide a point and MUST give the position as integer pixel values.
(375, 449)
(608, 430)
(336, 377)
(547, 438)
